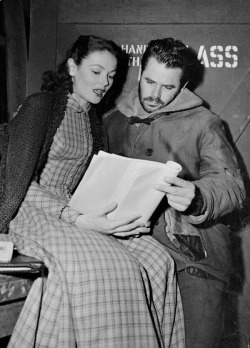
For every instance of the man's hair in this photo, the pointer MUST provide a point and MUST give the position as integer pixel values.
(172, 53)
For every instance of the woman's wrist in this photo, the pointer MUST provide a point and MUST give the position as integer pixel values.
(82, 222)
(69, 215)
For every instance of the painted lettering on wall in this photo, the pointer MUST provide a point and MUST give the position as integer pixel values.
(134, 52)
(216, 56)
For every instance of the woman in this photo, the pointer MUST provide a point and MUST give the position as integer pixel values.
(101, 289)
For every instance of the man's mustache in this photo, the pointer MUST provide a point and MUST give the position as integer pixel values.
(154, 100)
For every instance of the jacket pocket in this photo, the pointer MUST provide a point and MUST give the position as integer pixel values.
(185, 237)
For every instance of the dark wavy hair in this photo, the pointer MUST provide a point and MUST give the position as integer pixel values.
(80, 49)
(172, 53)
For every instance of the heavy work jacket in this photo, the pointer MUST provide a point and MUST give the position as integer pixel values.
(185, 132)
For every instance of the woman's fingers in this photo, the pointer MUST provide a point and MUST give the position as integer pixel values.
(122, 227)
(143, 230)
(120, 232)
(129, 226)
(107, 209)
(126, 234)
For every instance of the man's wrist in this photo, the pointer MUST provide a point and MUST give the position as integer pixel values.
(197, 206)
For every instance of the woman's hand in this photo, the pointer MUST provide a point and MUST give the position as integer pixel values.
(179, 192)
(97, 221)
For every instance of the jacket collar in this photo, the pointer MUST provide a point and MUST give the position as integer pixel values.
(131, 106)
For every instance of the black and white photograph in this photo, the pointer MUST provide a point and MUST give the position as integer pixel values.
(125, 174)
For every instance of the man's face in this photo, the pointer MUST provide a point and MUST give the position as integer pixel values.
(158, 85)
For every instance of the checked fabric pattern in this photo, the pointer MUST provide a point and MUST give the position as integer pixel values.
(100, 291)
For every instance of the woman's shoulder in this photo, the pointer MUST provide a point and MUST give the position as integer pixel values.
(39, 98)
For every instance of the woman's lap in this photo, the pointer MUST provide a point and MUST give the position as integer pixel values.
(108, 290)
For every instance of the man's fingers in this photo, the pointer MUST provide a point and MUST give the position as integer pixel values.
(178, 199)
(187, 191)
(176, 181)
(178, 191)
(177, 206)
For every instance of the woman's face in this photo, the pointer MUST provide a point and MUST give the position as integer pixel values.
(93, 77)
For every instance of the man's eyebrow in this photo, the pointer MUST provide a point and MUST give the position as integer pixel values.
(169, 86)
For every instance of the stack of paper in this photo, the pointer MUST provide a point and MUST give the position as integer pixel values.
(126, 181)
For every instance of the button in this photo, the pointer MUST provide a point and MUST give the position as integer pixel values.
(156, 222)
(130, 120)
(149, 152)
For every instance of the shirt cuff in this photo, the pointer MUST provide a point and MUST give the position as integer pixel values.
(69, 215)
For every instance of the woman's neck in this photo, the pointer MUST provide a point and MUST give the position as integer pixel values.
(83, 103)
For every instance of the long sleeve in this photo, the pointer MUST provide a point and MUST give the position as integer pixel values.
(26, 134)
(50, 203)
(66, 163)
(221, 183)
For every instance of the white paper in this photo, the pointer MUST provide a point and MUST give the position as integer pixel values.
(127, 181)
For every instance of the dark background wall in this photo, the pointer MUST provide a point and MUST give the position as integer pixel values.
(14, 40)
(34, 36)
(218, 30)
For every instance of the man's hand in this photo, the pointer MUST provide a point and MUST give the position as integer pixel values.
(179, 192)
(97, 221)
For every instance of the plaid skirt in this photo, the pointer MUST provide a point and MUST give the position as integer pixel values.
(100, 291)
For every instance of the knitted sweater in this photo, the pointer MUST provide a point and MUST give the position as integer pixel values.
(25, 143)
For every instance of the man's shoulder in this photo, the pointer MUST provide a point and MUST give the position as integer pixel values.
(201, 112)
(207, 115)
(112, 114)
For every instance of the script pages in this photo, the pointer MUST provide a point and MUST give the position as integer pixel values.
(126, 181)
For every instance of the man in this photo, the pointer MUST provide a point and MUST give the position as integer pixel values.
(162, 120)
